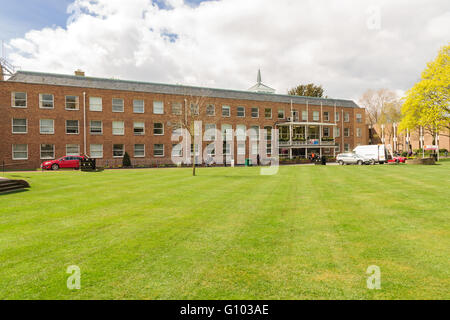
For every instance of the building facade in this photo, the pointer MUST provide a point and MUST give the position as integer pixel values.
(47, 116)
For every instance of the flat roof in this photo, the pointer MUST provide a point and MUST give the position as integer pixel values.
(139, 86)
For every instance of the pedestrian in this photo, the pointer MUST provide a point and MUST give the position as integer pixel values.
(257, 160)
(446, 153)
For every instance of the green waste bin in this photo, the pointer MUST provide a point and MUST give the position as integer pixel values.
(248, 162)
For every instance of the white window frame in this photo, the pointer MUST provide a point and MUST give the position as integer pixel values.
(143, 128)
(337, 132)
(358, 132)
(346, 117)
(252, 130)
(163, 150)
(158, 107)
(359, 118)
(41, 100)
(158, 134)
(72, 153)
(101, 127)
(304, 115)
(265, 116)
(40, 151)
(122, 105)
(327, 117)
(13, 100)
(209, 106)
(237, 112)
(241, 132)
(177, 147)
(78, 127)
(175, 110)
(337, 116)
(346, 147)
(12, 126)
(77, 103)
(123, 150)
(138, 106)
(134, 150)
(348, 131)
(283, 112)
(210, 127)
(316, 116)
(95, 106)
(53, 126)
(257, 112)
(240, 147)
(19, 144)
(224, 108)
(90, 151)
(122, 133)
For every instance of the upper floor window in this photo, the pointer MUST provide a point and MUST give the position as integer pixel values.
(346, 117)
(95, 104)
(281, 114)
(46, 101)
(19, 126)
(118, 128)
(19, 99)
(304, 115)
(337, 132)
(326, 131)
(336, 116)
(158, 107)
(210, 110)
(72, 103)
(117, 105)
(268, 113)
(241, 134)
(316, 115)
(255, 112)
(225, 111)
(210, 132)
(158, 129)
(20, 151)
(96, 127)
(195, 109)
(139, 128)
(176, 108)
(359, 117)
(326, 116)
(46, 126)
(138, 106)
(72, 127)
(358, 132)
(346, 147)
(346, 132)
(241, 112)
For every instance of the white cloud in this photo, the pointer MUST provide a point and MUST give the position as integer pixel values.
(223, 43)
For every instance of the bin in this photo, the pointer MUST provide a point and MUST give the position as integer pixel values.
(248, 162)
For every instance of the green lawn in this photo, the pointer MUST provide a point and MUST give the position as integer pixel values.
(309, 232)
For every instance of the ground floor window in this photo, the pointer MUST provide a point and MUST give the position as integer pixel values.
(158, 150)
(254, 149)
(241, 149)
(338, 147)
(227, 148)
(177, 150)
(118, 150)
(72, 149)
(211, 150)
(96, 151)
(20, 151)
(139, 150)
(346, 147)
(47, 151)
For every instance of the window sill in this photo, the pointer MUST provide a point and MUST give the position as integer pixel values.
(72, 134)
(158, 156)
(19, 107)
(20, 132)
(69, 109)
(46, 133)
(139, 156)
(19, 159)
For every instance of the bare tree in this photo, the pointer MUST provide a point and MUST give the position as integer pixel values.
(377, 103)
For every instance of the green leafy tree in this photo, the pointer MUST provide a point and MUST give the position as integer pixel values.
(427, 103)
(126, 162)
(308, 90)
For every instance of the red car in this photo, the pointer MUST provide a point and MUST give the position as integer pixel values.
(71, 162)
(397, 159)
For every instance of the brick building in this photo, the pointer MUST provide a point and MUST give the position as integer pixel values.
(46, 116)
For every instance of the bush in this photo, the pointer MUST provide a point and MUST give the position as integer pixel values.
(126, 162)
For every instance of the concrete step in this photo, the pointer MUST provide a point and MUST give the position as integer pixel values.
(12, 185)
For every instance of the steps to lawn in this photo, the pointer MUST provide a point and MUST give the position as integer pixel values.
(7, 185)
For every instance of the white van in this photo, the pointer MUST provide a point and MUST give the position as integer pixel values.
(372, 153)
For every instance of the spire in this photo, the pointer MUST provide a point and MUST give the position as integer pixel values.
(258, 79)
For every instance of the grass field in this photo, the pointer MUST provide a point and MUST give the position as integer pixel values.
(229, 233)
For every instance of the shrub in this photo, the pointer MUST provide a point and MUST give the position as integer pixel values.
(126, 162)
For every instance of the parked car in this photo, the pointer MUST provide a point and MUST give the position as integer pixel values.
(69, 162)
(398, 159)
(350, 158)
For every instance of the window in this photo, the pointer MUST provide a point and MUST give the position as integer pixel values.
(210, 132)
(358, 132)
(158, 129)
(197, 149)
(158, 107)
(326, 116)
(96, 151)
(227, 132)
(176, 108)
(176, 130)
(45, 101)
(47, 126)
(241, 149)
(346, 132)
(316, 116)
(195, 110)
(268, 133)
(304, 115)
(281, 114)
(241, 112)
(254, 133)
(118, 150)
(346, 117)
(359, 117)
(254, 149)
(95, 104)
(117, 105)
(158, 150)
(226, 148)
(255, 113)
(225, 111)
(326, 132)
(72, 127)
(139, 128)
(72, 149)
(177, 150)
(19, 99)
(240, 132)
(47, 151)
(268, 113)
(269, 148)
(338, 147)
(346, 147)
(72, 103)
(118, 128)
(20, 151)
(211, 150)
(210, 110)
(19, 126)
(138, 106)
(96, 127)
(336, 116)
(337, 132)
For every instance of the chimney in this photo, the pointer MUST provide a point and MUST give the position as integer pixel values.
(79, 73)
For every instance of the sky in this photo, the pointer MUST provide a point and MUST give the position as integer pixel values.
(347, 46)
